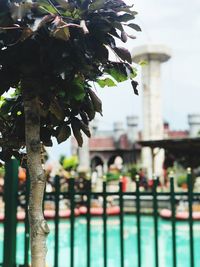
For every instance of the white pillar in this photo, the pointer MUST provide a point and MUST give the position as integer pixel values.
(118, 130)
(84, 151)
(194, 123)
(132, 131)
(84, 155)
(153, 129)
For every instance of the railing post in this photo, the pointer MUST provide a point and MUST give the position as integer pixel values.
(190, 201)
(57, 198)
(105, 221)
(72, 220)
(10, 222)
(121, 204)
(138, 219)
(26, 223)
(88, 221)
(173, 209)
(155, 214)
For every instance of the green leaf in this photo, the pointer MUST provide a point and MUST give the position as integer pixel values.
(126, 17)
(85, 129)
(96, 5)
(115, 33)
(44, 5)
(128, 10)
(96, 101)
(124, 36)
(62, 33)
(101, 52)
(76, 128)
(56, 110)
(58, 28)
(84, 117)
(77, 90)
(118, 25)
(135, 85)
(44, 11)
(106, 82)
(134, 26)
(133, 73)
(63, 133)
(67, 14)
(2, 99)
(124, 54)
(131, 36)
(88, 107)
(7, 105)
(117, 74)
(64, 4)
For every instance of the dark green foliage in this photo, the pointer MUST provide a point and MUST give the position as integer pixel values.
(56, 50)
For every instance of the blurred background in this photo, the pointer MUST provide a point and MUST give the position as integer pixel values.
(174, 24)
(137, 156)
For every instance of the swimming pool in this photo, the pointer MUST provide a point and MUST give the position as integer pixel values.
(130, 235)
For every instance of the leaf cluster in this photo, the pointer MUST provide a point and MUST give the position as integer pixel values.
(57, 49)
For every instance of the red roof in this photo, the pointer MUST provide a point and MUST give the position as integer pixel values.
(177, 134)
(108, 143)
(101, 143)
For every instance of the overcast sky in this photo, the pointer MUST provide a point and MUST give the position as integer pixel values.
(175, 24)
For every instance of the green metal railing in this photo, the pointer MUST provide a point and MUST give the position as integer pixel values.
(10, 197)
(173, 203)
(10, 221)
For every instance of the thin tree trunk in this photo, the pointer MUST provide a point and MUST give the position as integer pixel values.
(38, 226)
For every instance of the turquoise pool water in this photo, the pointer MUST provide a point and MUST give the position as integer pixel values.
(130, 235)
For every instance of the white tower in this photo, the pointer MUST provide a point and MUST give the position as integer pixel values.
(154, 55)
(132, 124)
(84, 151)
(84, 155)
(118, 130)
(194, 123)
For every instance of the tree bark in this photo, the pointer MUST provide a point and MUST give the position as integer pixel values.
(38, 226)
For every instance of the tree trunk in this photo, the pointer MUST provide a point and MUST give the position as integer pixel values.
(38, 226)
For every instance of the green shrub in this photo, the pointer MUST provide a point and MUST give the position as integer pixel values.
(69, 163)
(181, 179)
(2, 171)
(110, 176)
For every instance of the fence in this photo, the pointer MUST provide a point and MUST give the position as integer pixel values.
(10, 197)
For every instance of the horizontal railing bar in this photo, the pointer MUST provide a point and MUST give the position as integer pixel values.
(116, 193)
(125, 194)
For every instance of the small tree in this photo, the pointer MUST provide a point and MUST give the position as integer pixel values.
(51, 53)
